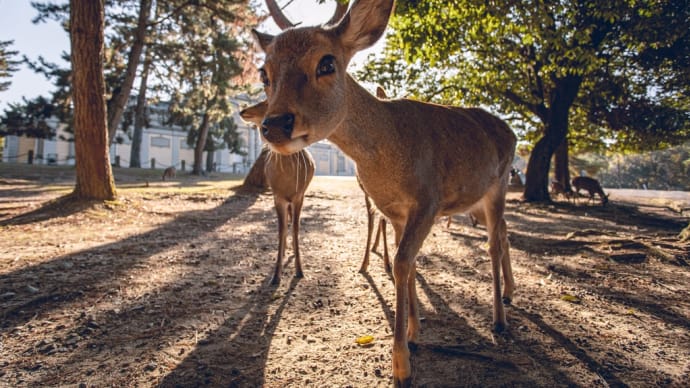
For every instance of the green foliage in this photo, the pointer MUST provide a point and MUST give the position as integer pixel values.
(7, 64)
(28, 119)
(632, 57)
(667, 169)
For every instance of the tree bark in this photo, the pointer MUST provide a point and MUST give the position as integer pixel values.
(561, 166)
(555, 132)
(256, 178)
(93, 171)
(200, 145)
(119, 99)
(140, 115)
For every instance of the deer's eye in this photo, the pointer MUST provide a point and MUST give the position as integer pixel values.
(264, 77)
(326, 66)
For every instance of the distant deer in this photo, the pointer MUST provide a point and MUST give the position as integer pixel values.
(288, 176)
(558, 188)
(169, 172)
(592, 186)
(417, 161)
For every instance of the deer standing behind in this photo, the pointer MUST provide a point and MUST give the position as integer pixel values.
(288, 176)
(371, 216)
(169, 173)
(417, 161)
(592, 186)
(558, 188)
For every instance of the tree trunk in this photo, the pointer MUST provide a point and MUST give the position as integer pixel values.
(200, 145)
(555, 132)
(93, 171)
(119, 99)
(210, 154)
(140, 115)
(562, 172)
(256, 178)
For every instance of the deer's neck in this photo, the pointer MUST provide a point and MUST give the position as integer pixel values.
(362, 135)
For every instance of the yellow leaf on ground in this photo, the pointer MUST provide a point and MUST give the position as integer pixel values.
(570, 298)
(364, 340)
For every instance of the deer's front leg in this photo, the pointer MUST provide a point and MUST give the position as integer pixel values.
(406, 312)
(281, 210)
(296, 211)
(370, 228)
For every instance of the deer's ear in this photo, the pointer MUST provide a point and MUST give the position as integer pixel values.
(364, 24)
(254, 114)
(262, 39)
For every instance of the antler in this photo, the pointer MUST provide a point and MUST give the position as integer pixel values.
(284, 23)
(278, 16)
(340, 9)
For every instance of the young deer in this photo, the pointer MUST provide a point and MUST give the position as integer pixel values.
(288, 176)
(417, 161)
(169, 172)
(592, 186)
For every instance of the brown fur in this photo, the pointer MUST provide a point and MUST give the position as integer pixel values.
(288, 177)
(417, 161)
(169, 172)
(592, 186)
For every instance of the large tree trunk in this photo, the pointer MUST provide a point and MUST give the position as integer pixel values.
(209, 160)
(200, 145)
(256, 178)
(140, 115)
(562, 172)
(555, 132)
(93, 171)
(119, 99)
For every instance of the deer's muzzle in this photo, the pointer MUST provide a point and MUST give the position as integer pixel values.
(278, 128)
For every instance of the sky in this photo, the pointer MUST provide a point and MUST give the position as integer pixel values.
(49, 40)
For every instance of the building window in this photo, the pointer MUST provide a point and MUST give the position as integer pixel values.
(160, 141)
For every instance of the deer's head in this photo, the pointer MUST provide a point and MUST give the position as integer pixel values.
(304, 74)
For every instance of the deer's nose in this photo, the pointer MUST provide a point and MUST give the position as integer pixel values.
(273, 125)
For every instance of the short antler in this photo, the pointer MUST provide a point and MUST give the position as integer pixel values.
(284, 23)
(278, 16)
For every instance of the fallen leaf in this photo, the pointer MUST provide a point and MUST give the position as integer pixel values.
(365, 340)
(570, 298)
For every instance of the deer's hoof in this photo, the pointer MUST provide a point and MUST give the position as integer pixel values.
(402, 383)
(500, 327)
(275, 280)
(299, 274)
(507, 300)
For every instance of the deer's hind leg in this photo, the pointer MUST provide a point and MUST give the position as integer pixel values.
(493, 216)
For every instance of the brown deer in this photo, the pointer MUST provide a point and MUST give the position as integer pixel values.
(558, 188)
(417, 161)
(371, 215)
(592, 186)
(288, 176)
(169, 172)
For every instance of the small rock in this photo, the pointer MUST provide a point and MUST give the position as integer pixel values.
(32, 289)
(150, 367)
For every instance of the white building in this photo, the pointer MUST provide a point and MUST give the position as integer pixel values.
(164, 145)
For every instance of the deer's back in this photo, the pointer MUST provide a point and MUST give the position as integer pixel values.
(451, 155)
(288, 176)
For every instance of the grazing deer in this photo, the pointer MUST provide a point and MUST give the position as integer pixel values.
(558, 188)
(592, 186)
(417, 161)
(288, 176)
(169, 172)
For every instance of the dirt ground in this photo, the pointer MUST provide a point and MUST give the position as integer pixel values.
(168, 286)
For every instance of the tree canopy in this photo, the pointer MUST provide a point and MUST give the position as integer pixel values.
(585, 74)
